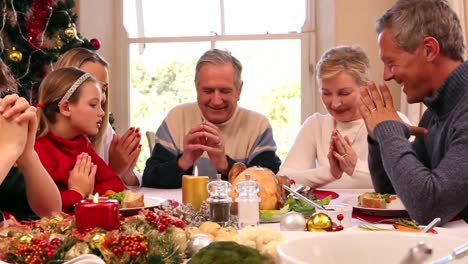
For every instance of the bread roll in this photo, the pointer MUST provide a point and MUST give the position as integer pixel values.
(132, 200)
(372, 200)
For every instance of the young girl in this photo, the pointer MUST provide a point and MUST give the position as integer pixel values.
(69, 109)
(26, 190)
(120, 152)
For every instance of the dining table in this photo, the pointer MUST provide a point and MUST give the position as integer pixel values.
(456, 228)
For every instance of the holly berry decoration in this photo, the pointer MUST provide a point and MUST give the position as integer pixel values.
(96, 43)
(340, 217)
(339, 227)
(134, 244)
(37, 250)
(162, 221)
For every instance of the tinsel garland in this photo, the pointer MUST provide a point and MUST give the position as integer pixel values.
(39, 14)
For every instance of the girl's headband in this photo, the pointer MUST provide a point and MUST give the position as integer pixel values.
(75, 86)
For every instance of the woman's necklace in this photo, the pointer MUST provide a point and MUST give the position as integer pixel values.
(349, 124)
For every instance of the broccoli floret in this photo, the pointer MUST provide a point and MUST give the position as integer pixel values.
(226, 252)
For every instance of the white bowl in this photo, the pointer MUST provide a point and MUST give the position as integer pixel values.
(386, 247)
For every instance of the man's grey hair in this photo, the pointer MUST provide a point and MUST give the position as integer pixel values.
(412, 20)
(216, 57)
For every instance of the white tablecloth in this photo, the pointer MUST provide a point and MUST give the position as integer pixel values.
(458, 228)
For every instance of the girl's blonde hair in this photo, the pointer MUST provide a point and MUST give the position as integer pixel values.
(76, 57)
(350, 59)
(52, 89)
(7, 81)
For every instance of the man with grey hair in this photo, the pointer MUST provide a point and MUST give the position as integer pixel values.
(213, 133)
(421, 46)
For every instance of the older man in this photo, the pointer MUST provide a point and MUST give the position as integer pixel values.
(421, 45)
(212, 134)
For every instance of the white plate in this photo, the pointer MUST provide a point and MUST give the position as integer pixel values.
(394, 209)
(150, 202)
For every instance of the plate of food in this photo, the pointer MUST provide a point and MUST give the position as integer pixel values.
(294, 204)
(132, 202)
(372, 203)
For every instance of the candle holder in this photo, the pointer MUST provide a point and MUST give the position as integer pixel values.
(90, 214)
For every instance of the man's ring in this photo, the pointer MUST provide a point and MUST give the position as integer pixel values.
(373, 109)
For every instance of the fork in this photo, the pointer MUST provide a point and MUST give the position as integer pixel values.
(307, 200)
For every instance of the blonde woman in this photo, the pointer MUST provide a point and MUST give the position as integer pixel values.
(119, 151)
(330, 150)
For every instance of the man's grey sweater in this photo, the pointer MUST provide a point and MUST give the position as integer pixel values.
(429, 175)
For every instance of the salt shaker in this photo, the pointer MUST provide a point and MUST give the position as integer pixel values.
(219, 201)
(248, 202)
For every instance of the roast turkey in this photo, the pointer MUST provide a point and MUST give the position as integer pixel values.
(271, 193)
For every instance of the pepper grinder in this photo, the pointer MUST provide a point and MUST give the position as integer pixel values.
(219, 201)
(248, 202)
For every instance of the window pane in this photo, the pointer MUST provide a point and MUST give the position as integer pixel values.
(272, 76)
(262, 16)
(162, 76)
(172, 18)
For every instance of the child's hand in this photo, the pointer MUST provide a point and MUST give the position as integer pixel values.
(124, 151)
(82, 176)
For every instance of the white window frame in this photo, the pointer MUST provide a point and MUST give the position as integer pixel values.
(120, 67)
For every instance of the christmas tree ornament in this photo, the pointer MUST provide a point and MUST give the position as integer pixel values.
(96, 43)
(319, 222)
(15, 55)
(97, 240)
(197, 242)
(70, 31)
(292, 221)
(25, 239)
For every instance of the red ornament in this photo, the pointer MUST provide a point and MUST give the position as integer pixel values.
(340, 217)
(96, 43)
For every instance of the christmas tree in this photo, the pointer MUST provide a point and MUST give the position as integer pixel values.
(33, 34)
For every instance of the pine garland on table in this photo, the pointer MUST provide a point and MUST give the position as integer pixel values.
(149, 237)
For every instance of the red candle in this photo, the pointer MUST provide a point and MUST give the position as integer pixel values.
(95, 213)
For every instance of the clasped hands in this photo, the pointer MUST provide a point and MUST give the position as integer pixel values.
(341, 156)
(18, 121)
(124, 151)
(378, 107)
(204, 137)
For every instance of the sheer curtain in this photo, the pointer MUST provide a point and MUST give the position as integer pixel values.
(415, 111)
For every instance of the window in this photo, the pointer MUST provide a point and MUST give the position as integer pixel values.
(272, 39)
